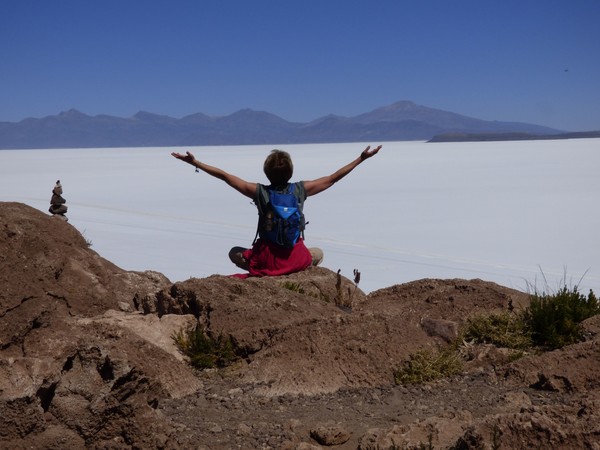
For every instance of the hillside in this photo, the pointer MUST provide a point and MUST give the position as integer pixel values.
(399, 121)
(485, 137)
(87, 359)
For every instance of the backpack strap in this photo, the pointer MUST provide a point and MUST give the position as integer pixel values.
(262, 203)
(300, 196)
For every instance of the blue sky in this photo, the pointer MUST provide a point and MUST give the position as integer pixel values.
(528, 61)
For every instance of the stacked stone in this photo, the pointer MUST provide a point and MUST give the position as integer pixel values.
(57, 202)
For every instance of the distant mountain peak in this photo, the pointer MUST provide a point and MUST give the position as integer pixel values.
(245, 111)
(72, 113)
(142, 115)
(252, 115)
(402, 105)
(250, 112)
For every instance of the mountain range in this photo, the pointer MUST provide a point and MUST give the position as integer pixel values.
(400, 121)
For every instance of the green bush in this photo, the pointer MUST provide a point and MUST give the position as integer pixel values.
(503, 329)
(554, 319)
(550, 321)
(203, 351)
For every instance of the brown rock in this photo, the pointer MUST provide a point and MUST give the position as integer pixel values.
(330, 435)
(87, 359)
(446, 329)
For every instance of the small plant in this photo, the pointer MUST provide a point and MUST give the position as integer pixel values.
(294, 287)
(342, 300)
(496, 435)
(425, 365)
(356, 281)
(297, 287)
(88, 242)
(503, 329)
(204, 352)
(515, 355)
(339, 298)
(429, 445)
(554, 319)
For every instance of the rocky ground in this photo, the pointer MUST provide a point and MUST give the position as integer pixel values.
(87, 359)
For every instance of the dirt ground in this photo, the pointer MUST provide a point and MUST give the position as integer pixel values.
(222, 416)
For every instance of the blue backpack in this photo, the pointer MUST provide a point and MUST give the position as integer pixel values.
(280, 220)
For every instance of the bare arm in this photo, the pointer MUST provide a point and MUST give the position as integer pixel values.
(246, 188)
(320, 184)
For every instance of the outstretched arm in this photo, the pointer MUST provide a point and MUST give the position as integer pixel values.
(242, 186)
(320, 184)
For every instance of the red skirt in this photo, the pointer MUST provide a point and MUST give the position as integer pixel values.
(268, 259)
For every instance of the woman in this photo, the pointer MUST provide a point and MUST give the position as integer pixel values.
(266, 258)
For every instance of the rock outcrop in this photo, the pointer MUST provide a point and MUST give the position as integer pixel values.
(88, 360)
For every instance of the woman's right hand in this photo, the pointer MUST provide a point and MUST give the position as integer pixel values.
(188, 157)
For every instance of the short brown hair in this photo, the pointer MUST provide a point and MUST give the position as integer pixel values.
(278, 167)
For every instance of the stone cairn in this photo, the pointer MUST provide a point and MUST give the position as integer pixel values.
(57, 202)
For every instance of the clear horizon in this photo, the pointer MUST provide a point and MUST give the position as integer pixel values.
(499, 60)
(507, 212)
